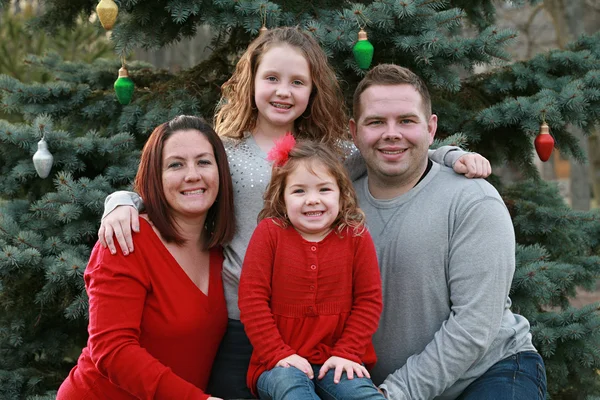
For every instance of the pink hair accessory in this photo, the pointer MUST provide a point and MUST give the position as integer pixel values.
(280, 153)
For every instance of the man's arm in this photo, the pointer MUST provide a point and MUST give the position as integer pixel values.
(481, 265)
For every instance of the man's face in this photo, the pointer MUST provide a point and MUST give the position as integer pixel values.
(393, 135)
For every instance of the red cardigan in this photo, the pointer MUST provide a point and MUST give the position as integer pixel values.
(152, 332)
(314, 299)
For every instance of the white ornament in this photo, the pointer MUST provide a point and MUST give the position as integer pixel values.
(42, 159)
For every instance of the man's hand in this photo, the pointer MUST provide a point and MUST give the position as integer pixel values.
(119, 223)
(341, 364)
(298, 362)
(473, 165)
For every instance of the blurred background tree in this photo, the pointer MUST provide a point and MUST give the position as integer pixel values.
(47, 226)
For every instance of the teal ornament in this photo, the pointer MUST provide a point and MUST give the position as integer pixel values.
(363, 50)
(124, 87)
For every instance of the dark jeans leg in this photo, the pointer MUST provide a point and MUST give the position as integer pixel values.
(518, 377)
(228, 375)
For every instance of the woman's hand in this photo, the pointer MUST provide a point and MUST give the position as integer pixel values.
(119, 223)
(342, 364)
(298, 362)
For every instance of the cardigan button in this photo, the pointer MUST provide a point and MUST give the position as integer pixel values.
(313, 267)
(312, 287)
(313, 248)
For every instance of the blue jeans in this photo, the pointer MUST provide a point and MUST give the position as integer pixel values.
(518, 377)
(293, 384)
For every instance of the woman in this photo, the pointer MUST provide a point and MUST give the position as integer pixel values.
(157, 317)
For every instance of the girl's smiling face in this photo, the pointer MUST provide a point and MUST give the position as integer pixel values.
(312, 200)
(282, 88)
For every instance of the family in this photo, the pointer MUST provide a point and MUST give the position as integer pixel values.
(276, 259)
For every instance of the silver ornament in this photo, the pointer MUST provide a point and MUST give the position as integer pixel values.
(42, 159)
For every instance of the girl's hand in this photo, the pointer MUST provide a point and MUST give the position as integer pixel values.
(473, 165)
(215, 398)
(341, 364)
(298, 362)
(119, 222)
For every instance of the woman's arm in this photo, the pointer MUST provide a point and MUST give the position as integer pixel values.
(117, 288)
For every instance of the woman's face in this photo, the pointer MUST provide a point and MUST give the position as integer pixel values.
(190, 174)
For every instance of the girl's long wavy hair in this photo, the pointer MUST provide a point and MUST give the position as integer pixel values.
(311, 153)
(325, 118)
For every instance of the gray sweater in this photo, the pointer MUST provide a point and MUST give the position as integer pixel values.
(446, 251)
(251, 172)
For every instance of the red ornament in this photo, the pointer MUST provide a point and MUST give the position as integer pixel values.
(544, 143)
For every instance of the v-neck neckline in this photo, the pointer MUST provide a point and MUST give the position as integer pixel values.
(180, 271)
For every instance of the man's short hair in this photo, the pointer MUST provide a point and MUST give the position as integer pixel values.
(391, 74)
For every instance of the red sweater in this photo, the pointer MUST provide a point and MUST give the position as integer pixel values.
(314, 299)
(152, 332)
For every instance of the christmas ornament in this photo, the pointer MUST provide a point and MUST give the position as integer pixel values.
(124, 86)
(544, 143)
(363, 50)
(262, 30)
(107, 12)
(42, 159)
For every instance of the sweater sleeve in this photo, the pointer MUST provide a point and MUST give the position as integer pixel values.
(254, 298)
(122, 198)
(481, 264)
(366, 302)
(117, 287)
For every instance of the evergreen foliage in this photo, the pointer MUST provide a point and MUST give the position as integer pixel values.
(47, 227)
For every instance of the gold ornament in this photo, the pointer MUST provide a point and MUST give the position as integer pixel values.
(107, 13)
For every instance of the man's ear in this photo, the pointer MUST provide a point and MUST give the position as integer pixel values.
(432, 127)
(352, 126)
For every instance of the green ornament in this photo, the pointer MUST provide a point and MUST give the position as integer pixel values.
(124, 87)
(363, 50)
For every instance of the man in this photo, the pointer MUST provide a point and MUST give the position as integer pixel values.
(446, 250)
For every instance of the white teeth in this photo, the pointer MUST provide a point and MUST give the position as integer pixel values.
(284, 106)
(393, 152)
(199, 191)
(314, 213)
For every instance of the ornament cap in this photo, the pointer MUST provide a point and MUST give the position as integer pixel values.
(42, 145)
(262, 30)
(362, 35)
(544, 129)
(123, 73)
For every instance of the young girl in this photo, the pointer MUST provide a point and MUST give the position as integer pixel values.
(282, 83)
(310, 290)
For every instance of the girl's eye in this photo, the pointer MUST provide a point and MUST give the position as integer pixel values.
(325, 189)
(204, 162)
(298, 83)
(174, 165)
(298, 191)
(271, 78)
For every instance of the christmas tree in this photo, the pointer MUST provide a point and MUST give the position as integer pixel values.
(48, 226)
